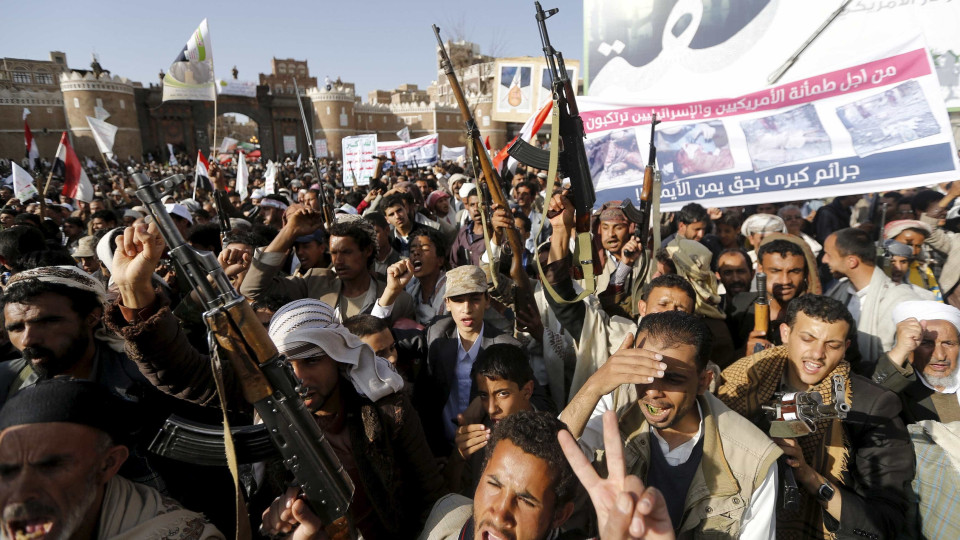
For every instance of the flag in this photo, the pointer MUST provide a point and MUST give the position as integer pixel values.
(270, 178)
(100, 113)
(243, 176)
(173, 158)
(227, 145)
(191, 74)
(33, 153)
(202, 174)
(529, 129)
(104, 134)
(404, 134)
(298, 160)
(23, 188)
(76, 185)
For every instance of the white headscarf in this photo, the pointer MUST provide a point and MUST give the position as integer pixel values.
(927, 310)
(302, 327)
(759, 223)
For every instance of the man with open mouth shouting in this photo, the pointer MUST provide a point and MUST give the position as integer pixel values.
(715, 469)
(851, 473)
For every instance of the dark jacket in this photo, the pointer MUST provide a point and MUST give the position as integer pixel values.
(397, 471)
(438, 374)
(830, 219)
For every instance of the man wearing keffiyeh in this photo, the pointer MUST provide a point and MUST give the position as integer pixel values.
(852, 474)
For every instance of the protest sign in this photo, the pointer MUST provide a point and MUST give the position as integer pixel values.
(869, 127)
(321, 145)
(416, 153)
(232, 87)
(452, 154)
(359, 159)
(289, 144)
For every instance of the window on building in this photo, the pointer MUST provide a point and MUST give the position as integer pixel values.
(49, 110)
(99, 102)
(328, 109)
(76, 103)
(21, 77)
(122, 104)
(44, 78)
(282, 68)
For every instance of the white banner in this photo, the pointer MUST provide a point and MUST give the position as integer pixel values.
(874, 126)
(359, 159)
(232, 87)
(404, 134)
(452, 154)
(289, 144)
(243, 176)
(191, 74)
(270, 178)
(173, 157)
(418, 152)
(103, 133)
(321, 147)
(734, 51)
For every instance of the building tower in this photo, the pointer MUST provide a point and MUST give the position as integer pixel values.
(87, 93)
(334, 119)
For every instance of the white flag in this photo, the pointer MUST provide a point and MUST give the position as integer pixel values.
(298, 160)
(227, 145)
(23, 188)
(404, 134)
(270, 178)
(173, 158)
(100, 113)
(243, 176)
(105, 134)
(191, 74)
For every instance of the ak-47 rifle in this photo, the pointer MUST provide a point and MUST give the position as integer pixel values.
(571, 154)
(324, 204)
(642, 215)
(761, 311)
(266, 380)
(524, 295)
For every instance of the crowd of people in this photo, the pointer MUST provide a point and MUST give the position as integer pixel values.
(658, 407)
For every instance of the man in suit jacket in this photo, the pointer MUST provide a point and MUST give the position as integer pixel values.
(348, 285)
(922, 366)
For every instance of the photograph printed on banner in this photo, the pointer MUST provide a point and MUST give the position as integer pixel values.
(516, 89)
(615, 158)
(787, 137)
(692, 149)
(546, 88)
(895, 116)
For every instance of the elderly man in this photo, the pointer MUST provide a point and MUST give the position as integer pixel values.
(922, 366)
(756, 227)
(852, 474)
(61, 447)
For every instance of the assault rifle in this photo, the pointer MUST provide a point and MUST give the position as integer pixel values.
(761, 311)
(325, 208)
(572, 156)
(795, 414)
(642, 215)
(266, 380)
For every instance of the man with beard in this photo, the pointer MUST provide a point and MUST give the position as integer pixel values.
(866, 291)
(922, 366)
(715, 469)
(791, 272)
(619, 277)
(61, 448)
(692, 223)
(272, 208)
(852, 474)
(735, 272)
(348, 286)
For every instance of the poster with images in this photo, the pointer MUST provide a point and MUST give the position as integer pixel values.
(692, 149)
(787, 137)
(515, 88)
(889, 118)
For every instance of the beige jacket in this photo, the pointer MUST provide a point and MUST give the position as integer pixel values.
(736, 459)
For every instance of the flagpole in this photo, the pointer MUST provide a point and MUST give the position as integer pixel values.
(214, 122)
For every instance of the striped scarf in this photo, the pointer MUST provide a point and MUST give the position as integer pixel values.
(750, 383)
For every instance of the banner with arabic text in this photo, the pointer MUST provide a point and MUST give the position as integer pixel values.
(415, 153)
(359, 159)
(875, 126)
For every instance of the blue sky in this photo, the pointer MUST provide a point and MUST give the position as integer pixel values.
(377, 44)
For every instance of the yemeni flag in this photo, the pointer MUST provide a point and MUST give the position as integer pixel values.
(76, 185)
(527, 132)
(33, 153)
(201, 177)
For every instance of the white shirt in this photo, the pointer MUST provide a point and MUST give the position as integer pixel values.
(759, 520)
(459, 398)
(854, 304)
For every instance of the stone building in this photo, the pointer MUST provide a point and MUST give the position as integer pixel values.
(60, 98)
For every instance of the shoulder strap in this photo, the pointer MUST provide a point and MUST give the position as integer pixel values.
(22, 375)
